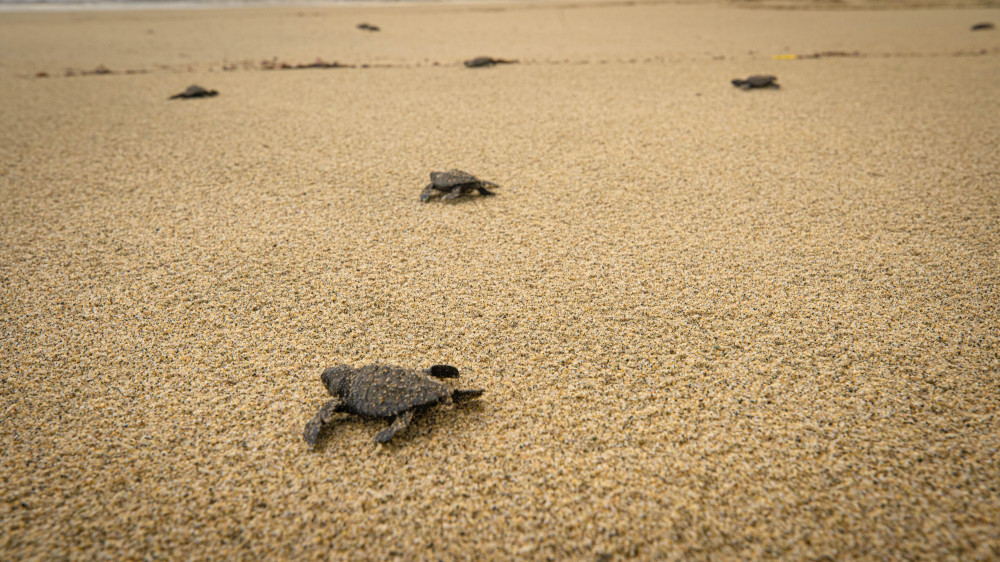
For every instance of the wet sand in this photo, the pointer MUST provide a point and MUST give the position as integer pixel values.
(710, 323)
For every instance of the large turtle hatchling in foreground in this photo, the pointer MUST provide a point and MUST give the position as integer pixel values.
(383, 391)
(455, 183)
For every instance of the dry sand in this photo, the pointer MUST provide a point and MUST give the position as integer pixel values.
(710, 323)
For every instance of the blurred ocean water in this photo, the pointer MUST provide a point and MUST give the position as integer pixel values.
(17, 5)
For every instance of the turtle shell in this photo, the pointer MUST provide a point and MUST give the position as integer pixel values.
(195, 91)
(760, 80)
(385, 391)
(480, 61)
(451, 178)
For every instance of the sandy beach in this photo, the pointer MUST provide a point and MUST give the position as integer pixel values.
(709, 323)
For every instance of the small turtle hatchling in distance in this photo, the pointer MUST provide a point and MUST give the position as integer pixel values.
(383, 391)
(368, 27)
(194, 92)
(455, 183)
(984, 26)
(757, 81)
(480, 62)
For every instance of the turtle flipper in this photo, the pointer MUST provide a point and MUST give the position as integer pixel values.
(455, 192)
(443, 371)
(323, 417)
(459, 396)
(482, 188)
(399, 424)
(429, 193)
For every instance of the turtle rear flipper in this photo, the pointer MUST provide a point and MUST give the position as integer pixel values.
(459, 396)
(443, 371)
(482, 188)
(401, 422)
(455, 192)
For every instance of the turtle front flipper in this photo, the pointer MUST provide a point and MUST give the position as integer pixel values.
(399, 424)
(323, 417)
(429, 193)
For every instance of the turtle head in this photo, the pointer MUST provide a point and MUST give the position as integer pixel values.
(335, 379)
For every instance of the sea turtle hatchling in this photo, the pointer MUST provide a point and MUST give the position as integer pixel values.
(194, 91)
(383, 391)
(757, 81)
(481, 62)
(453, 184)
